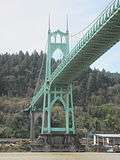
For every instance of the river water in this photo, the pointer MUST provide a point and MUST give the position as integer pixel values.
(59, 156)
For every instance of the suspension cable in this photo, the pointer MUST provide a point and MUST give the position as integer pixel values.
(41, 69)
(78, 33)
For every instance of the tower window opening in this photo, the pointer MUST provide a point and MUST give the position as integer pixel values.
(58, 38)
(52, 39)
(57, 55)
(63, 39)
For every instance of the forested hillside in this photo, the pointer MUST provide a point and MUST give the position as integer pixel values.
(96, 95)
(19, 73)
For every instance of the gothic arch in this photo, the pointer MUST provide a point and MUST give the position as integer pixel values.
(63, 39)
(58, 38)
(57, 54)
(58, 113)
(52, 39)
(58, 99)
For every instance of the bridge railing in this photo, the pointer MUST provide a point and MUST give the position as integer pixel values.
(96, 26)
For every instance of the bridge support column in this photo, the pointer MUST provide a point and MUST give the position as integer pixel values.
(67, 122)
(60, 96)
(67, 115)
(49, 114)
(32, 126)
(72, 108)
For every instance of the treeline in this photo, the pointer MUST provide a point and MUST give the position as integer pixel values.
(14, 123)
(96, 95)
(19, 73)
(95, 88)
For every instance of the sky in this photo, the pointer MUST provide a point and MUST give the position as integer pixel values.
(24, 25)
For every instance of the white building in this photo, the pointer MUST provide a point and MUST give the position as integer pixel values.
(106, 139)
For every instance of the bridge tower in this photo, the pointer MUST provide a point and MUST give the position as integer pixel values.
(59, 94)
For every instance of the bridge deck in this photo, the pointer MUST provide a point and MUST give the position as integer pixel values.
(104, 33)
(102, 36)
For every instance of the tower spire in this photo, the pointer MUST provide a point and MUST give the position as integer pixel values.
(49, 23)
(67, 29)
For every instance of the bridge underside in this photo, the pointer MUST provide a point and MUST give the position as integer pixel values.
(102, 40)
(90, 48)
(104, 34)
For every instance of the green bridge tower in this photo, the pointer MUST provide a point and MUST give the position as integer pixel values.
(57, 88)
(57, 93)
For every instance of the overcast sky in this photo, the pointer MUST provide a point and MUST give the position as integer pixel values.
(24, 25)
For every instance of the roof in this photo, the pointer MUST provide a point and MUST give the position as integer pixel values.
(108, 135)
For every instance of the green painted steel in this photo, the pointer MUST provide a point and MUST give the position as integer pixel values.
(104, 33)
(61, 94)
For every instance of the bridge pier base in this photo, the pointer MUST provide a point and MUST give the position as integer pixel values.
(56, 143)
